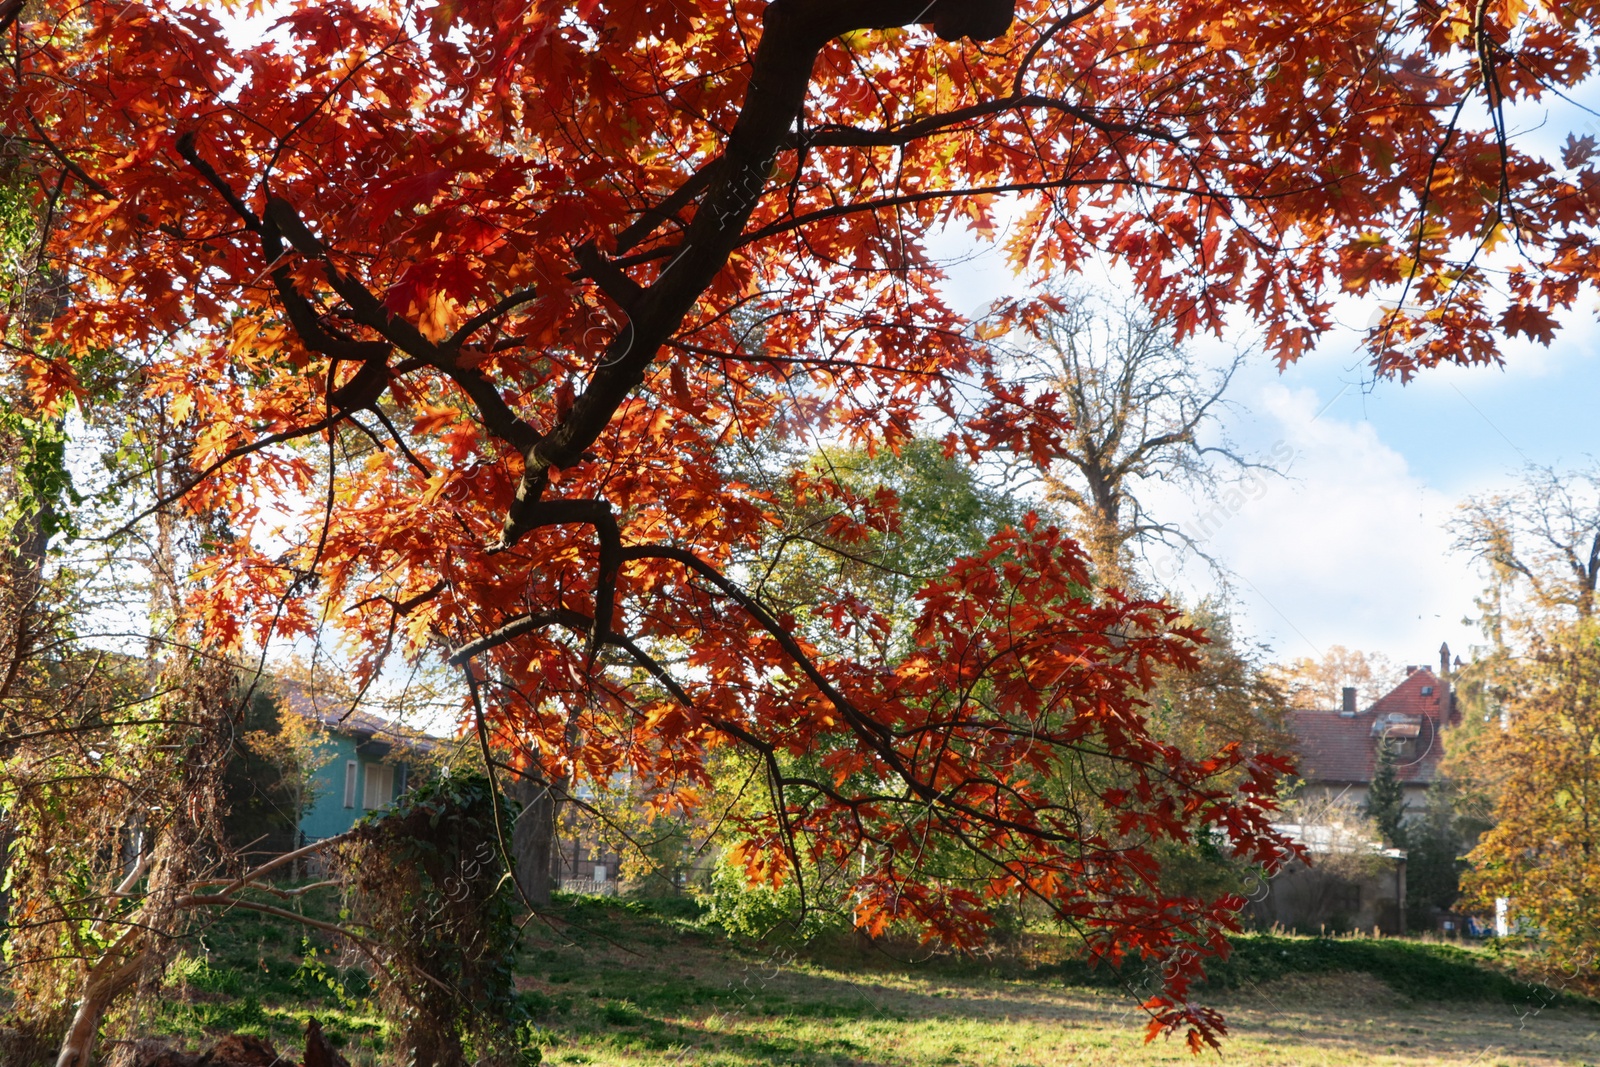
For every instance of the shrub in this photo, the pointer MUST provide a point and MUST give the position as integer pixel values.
(426, 883)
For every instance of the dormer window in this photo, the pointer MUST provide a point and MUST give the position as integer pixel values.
(1427, 690)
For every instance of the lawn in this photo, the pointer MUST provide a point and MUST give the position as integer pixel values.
(610, 996)
(641, 986)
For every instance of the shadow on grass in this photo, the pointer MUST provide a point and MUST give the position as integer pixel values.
(677, 995)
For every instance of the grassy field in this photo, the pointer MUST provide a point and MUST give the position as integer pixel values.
(682, 998)
(616, 986)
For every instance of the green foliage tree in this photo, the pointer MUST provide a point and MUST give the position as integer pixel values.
(1386, 801)
(1436, 846)
(1227, 698)
(872, 528)
(264, 801)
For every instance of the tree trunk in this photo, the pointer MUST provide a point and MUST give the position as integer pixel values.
(102, 985)
(533, 839)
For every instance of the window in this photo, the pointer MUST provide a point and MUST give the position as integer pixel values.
(350, 783)
(1427, 690)
(380, 786)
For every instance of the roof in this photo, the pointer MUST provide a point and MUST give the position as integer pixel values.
(1339, 748)
(338, 716)
(1409, 698)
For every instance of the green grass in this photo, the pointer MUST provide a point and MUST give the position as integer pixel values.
(628, 986)
(1413, 969)
(245, 973)
(648, 984)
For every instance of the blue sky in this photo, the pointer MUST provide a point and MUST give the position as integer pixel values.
(1379, 470)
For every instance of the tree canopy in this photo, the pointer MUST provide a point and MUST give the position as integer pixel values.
(460, 305)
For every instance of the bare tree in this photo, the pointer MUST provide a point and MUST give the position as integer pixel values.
(1544, 534)
(1141, 409)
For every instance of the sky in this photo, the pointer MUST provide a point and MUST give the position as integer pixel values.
(1352, 546)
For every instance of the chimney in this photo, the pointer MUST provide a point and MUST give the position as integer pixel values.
(1411, 668)
(1349, 708)
(1449, 713)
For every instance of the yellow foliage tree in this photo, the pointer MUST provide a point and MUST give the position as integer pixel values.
(1315, 684)
(1542, 852)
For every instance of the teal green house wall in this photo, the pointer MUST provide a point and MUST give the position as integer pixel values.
(367, 761)
(330, 814)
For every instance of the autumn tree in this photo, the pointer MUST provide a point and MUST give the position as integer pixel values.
(1228, 696)
(1530, 756)
(1540, 543)
(1317, 683)
(1541, 851)
(515, 248)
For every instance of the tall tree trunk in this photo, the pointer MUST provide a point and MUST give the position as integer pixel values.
(533, 838)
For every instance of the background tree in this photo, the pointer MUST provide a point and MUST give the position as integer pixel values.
(1541, 851)
(1540, 543)
(1529, 750)
(1229, 697)
(269, 778)
(872, 529)
(1139, 411)
(1318, 684)
(1436, 844)
(1225, 699)
(506, 245)
(1386, 799)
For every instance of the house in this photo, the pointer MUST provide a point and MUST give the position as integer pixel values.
(363, 762)
(1352, 883)
(1338, 749)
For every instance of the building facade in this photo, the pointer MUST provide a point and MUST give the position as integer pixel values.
(363, 764)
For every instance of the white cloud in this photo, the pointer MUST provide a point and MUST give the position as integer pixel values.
(1349, 549)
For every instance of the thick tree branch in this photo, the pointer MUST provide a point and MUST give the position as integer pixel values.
(794, 34)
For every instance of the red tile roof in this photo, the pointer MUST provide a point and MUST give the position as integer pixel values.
(1408, 697)
(1338, 749)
